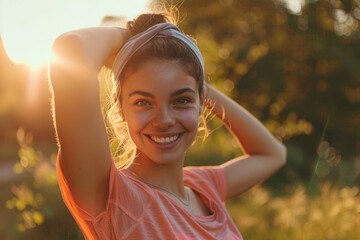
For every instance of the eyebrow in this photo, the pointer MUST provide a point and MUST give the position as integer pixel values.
(145, 94)
(176, 93)
(181, 91)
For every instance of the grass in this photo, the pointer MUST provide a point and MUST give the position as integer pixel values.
(333, 213)
(34, 208)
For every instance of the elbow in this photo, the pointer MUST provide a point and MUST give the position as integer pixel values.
(66, 41)
(68, 61)
(282, 155)
(64, 48)
(279, 155)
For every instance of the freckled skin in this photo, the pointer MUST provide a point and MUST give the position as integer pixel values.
(159, 112)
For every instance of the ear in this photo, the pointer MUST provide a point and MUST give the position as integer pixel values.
(121, 110)
(201, 109)
(203, 98)
(121, 113)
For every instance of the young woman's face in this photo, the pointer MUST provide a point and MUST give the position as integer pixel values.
(161, 105)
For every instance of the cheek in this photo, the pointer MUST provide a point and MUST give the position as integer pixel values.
(190, 119)
(137, 121)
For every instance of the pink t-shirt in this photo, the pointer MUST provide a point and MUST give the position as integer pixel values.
(136, 211)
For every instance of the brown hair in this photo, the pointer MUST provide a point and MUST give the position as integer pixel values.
(163, 48)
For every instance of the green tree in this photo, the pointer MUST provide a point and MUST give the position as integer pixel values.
(294, 65)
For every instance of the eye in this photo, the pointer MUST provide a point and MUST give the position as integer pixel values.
(142, 103)
(182, 101)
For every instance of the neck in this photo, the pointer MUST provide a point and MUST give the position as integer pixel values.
(166, 176)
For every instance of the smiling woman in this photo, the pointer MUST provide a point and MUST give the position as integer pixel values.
(176, 106)
(158, 97)
(28, 28)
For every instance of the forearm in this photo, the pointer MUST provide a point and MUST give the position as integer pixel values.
(89, 48)
(252, 135)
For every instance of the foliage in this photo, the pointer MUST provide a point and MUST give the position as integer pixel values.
(37, 200)
(333, 213)
(293, 64)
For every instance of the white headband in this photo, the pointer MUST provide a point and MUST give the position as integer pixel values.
(139, 40)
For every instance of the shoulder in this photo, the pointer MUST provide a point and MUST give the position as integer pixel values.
(204, 173)
(209, 179)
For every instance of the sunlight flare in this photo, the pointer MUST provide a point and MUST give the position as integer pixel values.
(28, 28)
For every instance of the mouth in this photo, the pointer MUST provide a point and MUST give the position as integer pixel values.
(164, 140)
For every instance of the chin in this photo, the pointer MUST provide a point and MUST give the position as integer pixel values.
(161, 158)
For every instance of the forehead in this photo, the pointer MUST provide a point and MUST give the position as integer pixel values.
(157, 75)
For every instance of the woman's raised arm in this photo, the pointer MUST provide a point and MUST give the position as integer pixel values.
(264, 154)
(85, 154)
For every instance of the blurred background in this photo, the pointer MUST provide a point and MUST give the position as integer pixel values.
(294, 64)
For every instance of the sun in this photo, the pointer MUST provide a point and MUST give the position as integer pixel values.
(28, 27)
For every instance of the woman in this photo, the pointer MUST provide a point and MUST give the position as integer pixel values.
(159, 97)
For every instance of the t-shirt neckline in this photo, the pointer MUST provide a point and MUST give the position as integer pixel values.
(203, 197)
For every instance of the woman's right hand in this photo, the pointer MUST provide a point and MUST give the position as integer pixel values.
(125, 36)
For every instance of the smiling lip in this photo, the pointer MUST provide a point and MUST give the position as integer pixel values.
(164, 141)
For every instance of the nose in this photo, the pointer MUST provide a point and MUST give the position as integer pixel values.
(164, 118)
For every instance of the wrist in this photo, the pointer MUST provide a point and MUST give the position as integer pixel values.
(122, 35)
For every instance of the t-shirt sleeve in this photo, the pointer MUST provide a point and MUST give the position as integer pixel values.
(126, 205)
(211, 179)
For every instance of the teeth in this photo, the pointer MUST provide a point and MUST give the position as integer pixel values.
(164, 140)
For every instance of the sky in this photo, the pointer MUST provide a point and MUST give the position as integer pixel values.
(28, 27)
